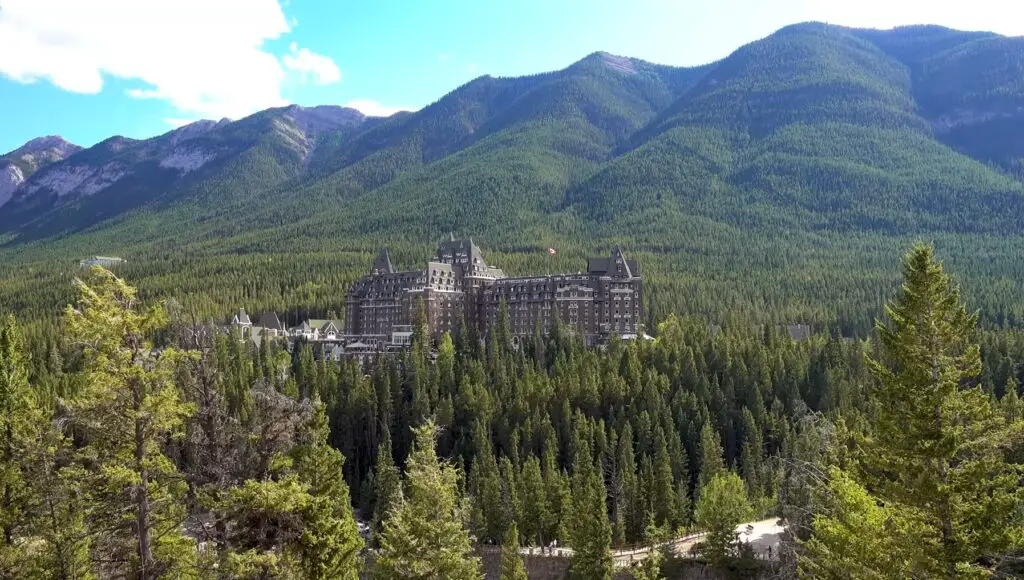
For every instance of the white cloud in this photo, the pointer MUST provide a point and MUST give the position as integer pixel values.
(372, 108)
(471, 68)
(319, 67)
(204, 57)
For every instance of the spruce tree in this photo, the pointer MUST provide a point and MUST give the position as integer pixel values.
(751, 453)
(424, 536)
(512, 567)
(854, 536)
(590, 533)
(128, 406)
(535, 516)
(556, 486)
(938, 445)
(42, 505)
(664, 496)
(330, 543)
(19, 418)
(388, 487)
(711, 461)
(629, 502)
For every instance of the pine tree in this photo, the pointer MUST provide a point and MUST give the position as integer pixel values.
(511, 505)
(751, 453)
(422, 390)
(1011, 403)
(330, 543)
(711, 462)
(388, 487)
(305, 371)
(446, 364)
(535, 503)
(855, 537)
(663, 495)
(512, 567)
(42, 504)
(556, 486)
(19, 418)
(129, 405)
(424, 536)
(681, 474)
(590, 533)
(937, 453)
(723, 505)
(490, 508)
(59, 516)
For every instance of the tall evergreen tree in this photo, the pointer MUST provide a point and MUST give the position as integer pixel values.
(535, 506)
(424, 536)
(19, 417)
(42, 503)
(330, 543)
(663, 496)
(129, 405)
(751, 453)
(938, 446)
(711, 461)
(629, 502)
(556, 485)
(855, 537)
(388, 482)
(512, 567)
(590, 533)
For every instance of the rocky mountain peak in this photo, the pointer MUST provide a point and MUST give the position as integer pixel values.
(20, 164)
(48, 146)
(323, 117)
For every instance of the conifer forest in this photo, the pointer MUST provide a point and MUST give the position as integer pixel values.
(866, 186)
(138, 444)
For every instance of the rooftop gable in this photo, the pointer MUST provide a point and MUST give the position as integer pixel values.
(382, 263)
(616, 266)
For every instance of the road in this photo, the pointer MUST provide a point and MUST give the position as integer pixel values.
(764, 536)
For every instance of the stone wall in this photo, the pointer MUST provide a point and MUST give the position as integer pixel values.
(556, 568)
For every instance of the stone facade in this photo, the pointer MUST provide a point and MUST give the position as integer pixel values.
(458, 284)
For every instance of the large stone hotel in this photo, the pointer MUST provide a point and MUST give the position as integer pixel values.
(604, 301)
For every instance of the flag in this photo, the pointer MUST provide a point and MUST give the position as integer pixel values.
(551, 251)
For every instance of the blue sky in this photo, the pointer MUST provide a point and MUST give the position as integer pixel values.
(89, 70)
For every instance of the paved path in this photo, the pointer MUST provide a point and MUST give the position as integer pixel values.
(764, 536)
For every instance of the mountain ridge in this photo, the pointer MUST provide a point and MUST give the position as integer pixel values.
(814, 135)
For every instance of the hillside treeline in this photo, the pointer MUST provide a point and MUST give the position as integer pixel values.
(138, 444)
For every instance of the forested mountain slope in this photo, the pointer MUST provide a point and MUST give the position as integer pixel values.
(770, 183)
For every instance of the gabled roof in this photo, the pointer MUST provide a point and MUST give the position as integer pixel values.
(241, 317)
(382, 263)
(270, 320)
(617, 265)
(325, 324)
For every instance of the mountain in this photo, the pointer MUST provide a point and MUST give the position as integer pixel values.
(121, 174)
(23, 162)
(816, 127)
(812, 154)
